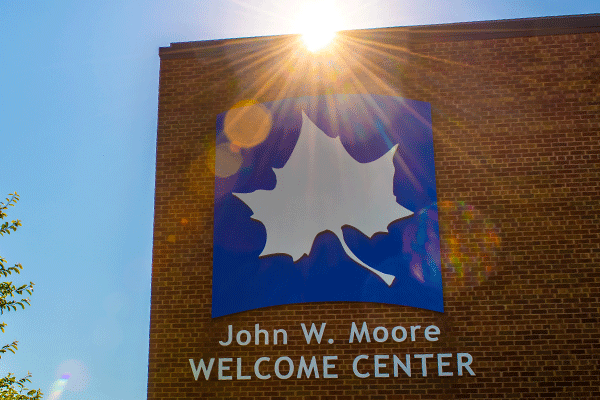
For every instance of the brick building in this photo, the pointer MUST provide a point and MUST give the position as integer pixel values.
(515, 118)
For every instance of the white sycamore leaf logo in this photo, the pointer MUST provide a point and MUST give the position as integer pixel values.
(320, 188)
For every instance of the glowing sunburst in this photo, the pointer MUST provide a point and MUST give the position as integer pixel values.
(318, 22)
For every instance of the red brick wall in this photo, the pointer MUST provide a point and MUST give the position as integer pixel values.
(516, 125)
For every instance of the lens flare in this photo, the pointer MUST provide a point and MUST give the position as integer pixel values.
(421, 245)
(247, 124)
(470, 244)
(58, 387)
(228, 160)
(73, 377)
(199, 167)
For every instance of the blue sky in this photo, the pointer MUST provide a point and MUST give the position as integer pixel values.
(78, 106)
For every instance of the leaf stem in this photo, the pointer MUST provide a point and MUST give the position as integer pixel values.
(387, 278)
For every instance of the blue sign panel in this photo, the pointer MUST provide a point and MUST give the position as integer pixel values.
(325, 198)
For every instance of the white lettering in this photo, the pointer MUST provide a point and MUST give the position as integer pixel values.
(378, 365)
(363, 332)
(327, 367)
(290, 365)
(224, 368)
(424, 358)
(464, 364)
(201, 367)
(355, 366)
(396, 338)
(239, 335)
(442, 364)
(307, 370)
(258, 331)
(405, 367)
(230, 337)
(413, 329)
(376, 336)
(313, 331)
(239, 370)
(257, 366)
(432, 330)
(277, 331)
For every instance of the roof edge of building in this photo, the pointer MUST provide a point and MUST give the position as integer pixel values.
(459, 31)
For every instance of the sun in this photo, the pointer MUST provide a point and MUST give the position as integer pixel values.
(318, 22)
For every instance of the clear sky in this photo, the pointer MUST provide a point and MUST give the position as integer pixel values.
(78, 106)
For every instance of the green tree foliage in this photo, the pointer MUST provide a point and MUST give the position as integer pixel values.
(11, 299)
